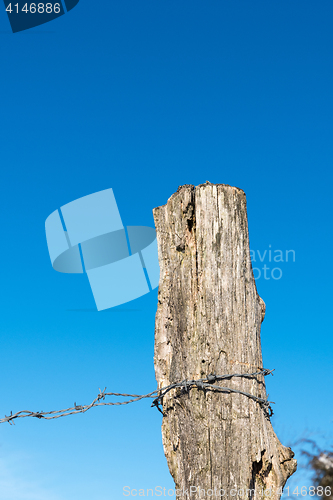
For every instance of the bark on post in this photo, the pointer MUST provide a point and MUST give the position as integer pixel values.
(208, 322)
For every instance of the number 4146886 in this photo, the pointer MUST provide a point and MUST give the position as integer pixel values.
(318, 491)
(40, 8)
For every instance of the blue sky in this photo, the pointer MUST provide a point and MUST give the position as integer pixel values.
(143, 96)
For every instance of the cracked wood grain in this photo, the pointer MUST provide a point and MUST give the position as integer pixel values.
(208, 320)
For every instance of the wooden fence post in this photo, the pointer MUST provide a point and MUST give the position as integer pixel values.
(208, 322)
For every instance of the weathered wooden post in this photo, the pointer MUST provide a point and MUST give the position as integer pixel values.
(208, 322)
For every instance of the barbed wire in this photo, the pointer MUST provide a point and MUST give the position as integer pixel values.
(158, 395)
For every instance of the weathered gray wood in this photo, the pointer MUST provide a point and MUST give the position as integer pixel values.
(208, 321)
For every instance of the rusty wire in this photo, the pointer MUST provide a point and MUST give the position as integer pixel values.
(204, 384)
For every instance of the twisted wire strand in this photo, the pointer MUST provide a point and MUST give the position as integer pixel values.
(158, 394)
